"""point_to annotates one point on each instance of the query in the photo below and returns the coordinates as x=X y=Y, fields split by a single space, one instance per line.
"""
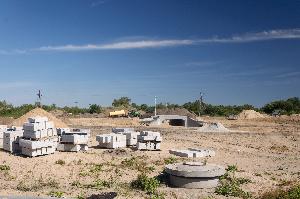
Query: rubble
x=213 y=127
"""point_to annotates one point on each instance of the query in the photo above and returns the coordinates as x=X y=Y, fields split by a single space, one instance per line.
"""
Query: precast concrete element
x=111 y=141
x=193 y=153
x=3 y=128
x=61 y=131
x=11 y=140
x=40 y=137
x=30 y=144
x=148 y=140
x=72 y=147
x=122 y=130
x=74 y=139
x=80 y=131
x=131 y=136
x=38 y=151
x=37 y=119
x=150 y=146
x=173 y=120
x=39 y=134
x=194 y=175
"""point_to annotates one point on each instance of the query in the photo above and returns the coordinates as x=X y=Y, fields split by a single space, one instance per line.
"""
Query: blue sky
x=92 y=51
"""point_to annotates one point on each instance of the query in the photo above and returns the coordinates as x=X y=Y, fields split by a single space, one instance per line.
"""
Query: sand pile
x=39 y=112
x=213 y=127
x=250 y=114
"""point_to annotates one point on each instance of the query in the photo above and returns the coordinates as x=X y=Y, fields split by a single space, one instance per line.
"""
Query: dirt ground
x=266 y=151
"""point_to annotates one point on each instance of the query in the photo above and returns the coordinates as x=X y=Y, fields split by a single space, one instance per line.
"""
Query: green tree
x=94 y=108
x=122 y=102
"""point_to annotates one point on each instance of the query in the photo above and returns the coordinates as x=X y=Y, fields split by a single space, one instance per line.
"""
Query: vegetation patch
x=230 y=185
x=291 y=193
x=57 y=194
x=4 y=167
x=60 y=162
x=170 y=160
x=145 y=183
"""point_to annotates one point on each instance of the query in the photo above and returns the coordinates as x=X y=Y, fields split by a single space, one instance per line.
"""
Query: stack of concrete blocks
x=73 y=141
x=40 y=137
x=149 y=140
x=3 y=128
x=111 y=141
x=11 y=139
x=131 y=135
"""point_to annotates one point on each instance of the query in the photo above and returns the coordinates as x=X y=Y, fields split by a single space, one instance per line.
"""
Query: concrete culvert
x=194 y=175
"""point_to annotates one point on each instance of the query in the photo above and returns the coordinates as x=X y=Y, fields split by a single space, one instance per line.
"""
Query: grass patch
x=57 y=194
x=96 y=168
x=136 y=163
x=230 y=185
x=170 y=160
x=60 y=162
x=145 y=183
x=291 y=193
x=4 y=167
x=37 y=185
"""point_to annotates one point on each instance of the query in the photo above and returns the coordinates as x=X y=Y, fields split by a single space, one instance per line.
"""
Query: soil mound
x=39 y=112
x=213 y=127
x=250 y=114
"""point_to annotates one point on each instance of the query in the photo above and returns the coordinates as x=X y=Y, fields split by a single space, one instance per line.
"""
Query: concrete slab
x=74 y=139
x=71 y=147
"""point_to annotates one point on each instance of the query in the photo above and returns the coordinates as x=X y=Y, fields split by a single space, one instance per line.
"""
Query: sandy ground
x=266 y=151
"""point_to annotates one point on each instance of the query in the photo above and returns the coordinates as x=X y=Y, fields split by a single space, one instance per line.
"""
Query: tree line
x=286 y=107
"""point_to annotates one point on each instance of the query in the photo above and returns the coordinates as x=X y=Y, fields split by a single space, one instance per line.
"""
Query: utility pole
x=39 y=101
x=200 y=102
x=155 y=98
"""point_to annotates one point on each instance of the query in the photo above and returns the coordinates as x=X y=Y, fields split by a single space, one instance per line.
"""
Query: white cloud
x=148 y=43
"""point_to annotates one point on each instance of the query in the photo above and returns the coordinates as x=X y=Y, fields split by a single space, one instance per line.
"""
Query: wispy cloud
x=97 y=3
x=15 y=84
x=289 y=74
x=148 y=43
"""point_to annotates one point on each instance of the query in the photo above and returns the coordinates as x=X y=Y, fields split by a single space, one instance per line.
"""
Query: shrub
x=4 y=167
x=60 y=162
x=145 y=183
x=170 y=160
x=230 y=185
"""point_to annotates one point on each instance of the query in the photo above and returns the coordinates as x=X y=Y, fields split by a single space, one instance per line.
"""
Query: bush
x=61 y=162
x=145 y=183
x=4 y=167
x=230 y=185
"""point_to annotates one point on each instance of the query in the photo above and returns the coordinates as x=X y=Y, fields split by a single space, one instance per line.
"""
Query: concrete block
x=111 y=140
x=74 y=139
x=150 y=133
x=12 y=147
x=37 y=119
x=61 y=131
x=3 y=127
x=10 y=136
x=148 y=146
x=33 y=126
x=38 y=152
x=72 y=147
x=122 y=130
x=30 y=144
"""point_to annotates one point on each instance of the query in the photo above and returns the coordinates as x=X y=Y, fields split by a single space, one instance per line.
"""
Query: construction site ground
x=265 y=150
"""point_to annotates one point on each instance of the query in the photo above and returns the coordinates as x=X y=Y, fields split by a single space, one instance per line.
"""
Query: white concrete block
x=72 y=147
x=61 y=131
x=3 y=127
x=33 y=126
x=111 y=140
x=148 y=146
x=37 y=119
x=75 y=139
x=36 y=144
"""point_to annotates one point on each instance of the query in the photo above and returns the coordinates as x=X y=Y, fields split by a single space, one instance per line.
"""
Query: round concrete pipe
x=193 y=183
x=194 y=175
